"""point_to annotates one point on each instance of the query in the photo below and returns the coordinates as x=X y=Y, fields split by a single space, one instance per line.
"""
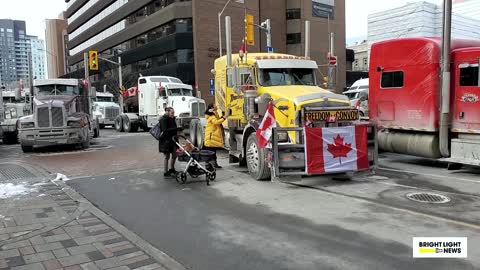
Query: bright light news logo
x=439 y=247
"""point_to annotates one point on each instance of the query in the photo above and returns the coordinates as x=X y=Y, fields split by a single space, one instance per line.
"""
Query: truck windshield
x=57 y=89
x=286 y=76
x=104 y=99
x=180 y=92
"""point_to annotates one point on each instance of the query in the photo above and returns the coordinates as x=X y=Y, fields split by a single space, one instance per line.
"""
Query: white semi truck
x=15 y=105
x=146 y=104
x=106 y=109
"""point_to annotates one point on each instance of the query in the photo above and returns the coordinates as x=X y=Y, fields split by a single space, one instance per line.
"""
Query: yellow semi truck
x=249 y=83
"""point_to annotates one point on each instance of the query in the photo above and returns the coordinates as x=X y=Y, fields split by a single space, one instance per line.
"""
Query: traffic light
x=93 y=60
x=249 y=30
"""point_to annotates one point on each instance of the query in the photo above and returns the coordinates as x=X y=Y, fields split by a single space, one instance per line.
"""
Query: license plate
x=343 y=115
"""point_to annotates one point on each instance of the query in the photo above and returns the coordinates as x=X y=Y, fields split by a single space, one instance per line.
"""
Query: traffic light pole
x=87 y=79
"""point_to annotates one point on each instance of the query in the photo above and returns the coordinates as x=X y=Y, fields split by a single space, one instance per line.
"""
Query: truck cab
x=358 y=95
x=15 y=105
x=105 y=109
x=61 y=115
x=247 y=87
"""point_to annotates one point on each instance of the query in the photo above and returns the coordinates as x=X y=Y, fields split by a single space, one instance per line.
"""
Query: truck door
x=467 y=96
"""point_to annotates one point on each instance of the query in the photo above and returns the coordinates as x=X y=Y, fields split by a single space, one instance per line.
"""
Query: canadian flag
x=341 y=149
x=264 y=131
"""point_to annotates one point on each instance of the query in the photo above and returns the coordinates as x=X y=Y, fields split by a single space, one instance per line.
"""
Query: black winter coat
x=169 y=127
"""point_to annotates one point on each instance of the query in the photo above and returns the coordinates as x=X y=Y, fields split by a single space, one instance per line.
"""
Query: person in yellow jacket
x=213 y=132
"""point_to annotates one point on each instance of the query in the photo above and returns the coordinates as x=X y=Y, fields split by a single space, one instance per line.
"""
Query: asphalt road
x=238 y=223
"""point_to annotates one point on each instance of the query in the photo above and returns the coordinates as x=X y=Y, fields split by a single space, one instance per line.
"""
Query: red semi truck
x=406 y=101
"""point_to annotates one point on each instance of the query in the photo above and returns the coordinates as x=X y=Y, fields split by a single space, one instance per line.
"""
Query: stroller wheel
x=183 y=177
x=212 y=176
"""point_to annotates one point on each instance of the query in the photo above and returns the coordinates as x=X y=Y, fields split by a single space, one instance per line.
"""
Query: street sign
x=270 y=49
x=332 y=60
x=212 y=87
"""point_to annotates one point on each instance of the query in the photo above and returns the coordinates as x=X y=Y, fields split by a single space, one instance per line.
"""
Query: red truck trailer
x=405 y=98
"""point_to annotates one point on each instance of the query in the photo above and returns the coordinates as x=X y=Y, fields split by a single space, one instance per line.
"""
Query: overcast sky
x=34 y=12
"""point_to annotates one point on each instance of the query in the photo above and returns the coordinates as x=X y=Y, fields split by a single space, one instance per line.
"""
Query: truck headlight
x=27 y=125
x=74 y=124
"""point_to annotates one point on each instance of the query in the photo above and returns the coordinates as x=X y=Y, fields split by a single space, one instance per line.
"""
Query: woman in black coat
x=166 y=144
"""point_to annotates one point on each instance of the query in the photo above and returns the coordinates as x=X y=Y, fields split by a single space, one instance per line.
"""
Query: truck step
x=466 y=151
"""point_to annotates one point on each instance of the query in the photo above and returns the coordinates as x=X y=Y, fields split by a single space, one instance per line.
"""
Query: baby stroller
x=194 y=157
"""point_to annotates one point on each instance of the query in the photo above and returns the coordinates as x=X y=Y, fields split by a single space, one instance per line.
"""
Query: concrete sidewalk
x=46 y=225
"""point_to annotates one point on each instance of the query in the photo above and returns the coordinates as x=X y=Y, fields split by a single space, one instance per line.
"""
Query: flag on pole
x=337 y=149
x=264 y=131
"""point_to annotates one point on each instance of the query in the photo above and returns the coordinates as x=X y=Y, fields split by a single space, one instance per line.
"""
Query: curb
x=162 y=258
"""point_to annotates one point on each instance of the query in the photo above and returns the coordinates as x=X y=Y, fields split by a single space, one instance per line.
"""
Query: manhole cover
x=12 y=171
x=426 y=197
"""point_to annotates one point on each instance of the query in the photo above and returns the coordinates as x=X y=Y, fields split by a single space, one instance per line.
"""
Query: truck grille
x=111 y=112
x=57 y=117
x=43 y=117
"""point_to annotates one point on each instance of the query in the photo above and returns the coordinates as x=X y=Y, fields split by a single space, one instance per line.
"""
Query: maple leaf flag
x=264 y=131
x=342 y=149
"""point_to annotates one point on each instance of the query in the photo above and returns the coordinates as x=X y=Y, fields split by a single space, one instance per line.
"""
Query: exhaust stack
x=228 y=37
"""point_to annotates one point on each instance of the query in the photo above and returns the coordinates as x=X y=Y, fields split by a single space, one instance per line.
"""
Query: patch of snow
x=40 y=184
x=61 y=177
x=10 y=190
x=111 y=179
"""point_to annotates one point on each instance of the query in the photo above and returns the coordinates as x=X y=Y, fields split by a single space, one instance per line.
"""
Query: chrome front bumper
x=48 y=136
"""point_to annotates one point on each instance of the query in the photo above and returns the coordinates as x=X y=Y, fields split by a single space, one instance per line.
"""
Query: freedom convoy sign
x=323 y=8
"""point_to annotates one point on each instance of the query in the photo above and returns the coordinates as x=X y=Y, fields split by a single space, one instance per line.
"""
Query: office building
x=419 y=19
x=13 y=53
x=37 y=47
x=180 y=38
x=360 y=62
x=467 y=8
x=56 y=50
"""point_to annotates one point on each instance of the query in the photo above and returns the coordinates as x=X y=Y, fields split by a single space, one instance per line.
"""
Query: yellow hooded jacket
x=214 y=131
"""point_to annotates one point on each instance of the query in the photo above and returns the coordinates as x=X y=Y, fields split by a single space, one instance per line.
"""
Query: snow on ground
x=10 y=190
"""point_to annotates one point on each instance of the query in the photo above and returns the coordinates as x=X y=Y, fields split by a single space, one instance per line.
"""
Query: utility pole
x=220 y=52
x=267 y=27
x=30 y=79
x=445 y=67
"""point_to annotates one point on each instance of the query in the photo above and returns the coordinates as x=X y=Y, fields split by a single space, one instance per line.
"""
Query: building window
x=295 y=38
x=365 y=61
x=356 y=62
x=293 y=14
x=392 y=79
x=469 y=76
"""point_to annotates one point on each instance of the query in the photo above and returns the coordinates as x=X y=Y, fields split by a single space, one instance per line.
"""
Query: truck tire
x=200 y=135
x=96 y=133
x=10 y=138
x=193 y=131
x=102 y=126
x=119 y=123
x=128 y=126
x=256 y=159
x=86 y=144
x=27 y=148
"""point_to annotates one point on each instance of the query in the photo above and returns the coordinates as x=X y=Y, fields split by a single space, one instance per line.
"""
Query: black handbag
x=156 y=132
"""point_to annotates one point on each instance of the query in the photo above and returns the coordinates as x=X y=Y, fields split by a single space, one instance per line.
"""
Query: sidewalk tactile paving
x=38 y=231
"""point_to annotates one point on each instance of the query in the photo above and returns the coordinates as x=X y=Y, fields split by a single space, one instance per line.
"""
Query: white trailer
x=155 y=94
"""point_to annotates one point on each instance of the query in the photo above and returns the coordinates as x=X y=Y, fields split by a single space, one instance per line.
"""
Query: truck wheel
x=256 y=159
x=96 y=133
x=86 y=144
x=10 y=138
x=102 y=126
x=200 y=137
x=127 y=125
x=119 y=123
x=27 y=148
x=193 y=131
